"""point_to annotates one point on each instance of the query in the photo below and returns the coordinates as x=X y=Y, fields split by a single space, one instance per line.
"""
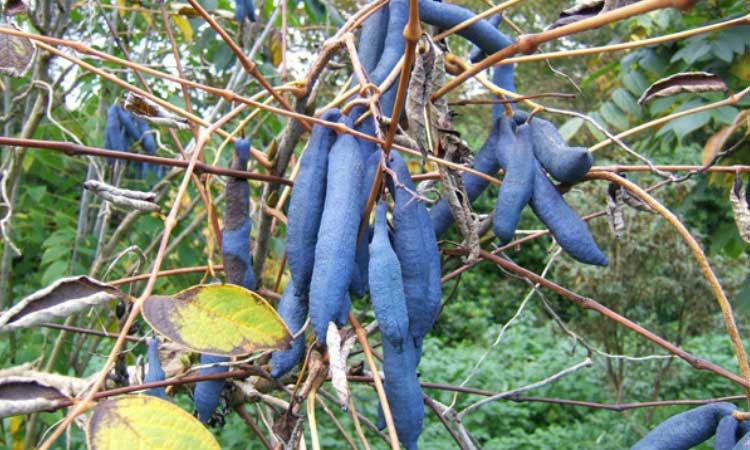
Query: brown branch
x=528 y=43
x=73 y=149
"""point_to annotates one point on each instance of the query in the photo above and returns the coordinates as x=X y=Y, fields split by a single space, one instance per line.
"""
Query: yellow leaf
x=276 y=55
x=147 y=17
x=218 y=319
x=15 y=424
x=144 y=421
x=184 y=26
x=741 y=68
x=122 y=5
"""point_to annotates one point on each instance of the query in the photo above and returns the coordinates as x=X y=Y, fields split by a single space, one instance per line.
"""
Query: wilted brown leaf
x=63 y=298
x=683 y=82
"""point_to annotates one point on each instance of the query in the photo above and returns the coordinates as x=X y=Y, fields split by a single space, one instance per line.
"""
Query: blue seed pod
x=485 y=161
x=372 y=39
x=685 y=430
x=239 y=11
x=358 y=286
x=207 y=393
x=306 y=203
x=570 y=231
x=416 y=247
x=337 y=237
x=238 y=268
x=567 y=164
x=250 y=10
x=744 y=443
x=483 y=33
x=476 y=53
x=518 y=183
x=342 y=315
x=115 y=137
x=129 y=124
x=386 y=286
x=293 y=310
x=726 y=433
x=393 y=50
x=154 y=371
x=403 y=391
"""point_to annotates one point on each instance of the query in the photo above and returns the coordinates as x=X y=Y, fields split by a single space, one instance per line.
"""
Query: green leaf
x=614 y=116
x=219 y=319
x=635 y=82
x=626 y=102
x=570 y=128
x=144 y=421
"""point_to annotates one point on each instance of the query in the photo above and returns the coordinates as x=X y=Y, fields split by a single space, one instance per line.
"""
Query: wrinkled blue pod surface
x=566 y=164
x=416 y=247
x=518 y=184
x=337 y=237
x=154 y=371
x=570 y=231
x=293 y=310
x=386 y=285
x=686 y=430
x=306 y=203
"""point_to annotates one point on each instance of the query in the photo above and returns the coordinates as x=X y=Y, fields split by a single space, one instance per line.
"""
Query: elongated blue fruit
x=154 y=371
x=238 y=269
x=482 y=33
x=250 y=10
x=293 y=310
x=403 y=391
x=686 y=430
x=567 y=164
x=306 y=203
x=129 y=124
x=416 y=248
x=342 y=315
x=518 y=183
x=115 y=137
x=337 y=237
x=207 y=393
x=476 y=53
x=386 y=285
x=236 y=234
x=726 y=433
x=485 y=161
x=570 y=231
x=359 y=287
x=393 y=50
x=239 y=11
x=744 y=443
x=372 y=39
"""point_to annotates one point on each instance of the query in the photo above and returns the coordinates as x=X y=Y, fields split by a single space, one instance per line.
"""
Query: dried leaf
x=683 y=82
x=15 y=7
x=22 y=395
x=337 y=364
x=16 y=54
x=63 y=298
x=581 y=10
x=715 y=143
x=741 y=212
x=154 y=113
x=125 y=198
x=615 y=203
x=425 y=117
x=184 y=9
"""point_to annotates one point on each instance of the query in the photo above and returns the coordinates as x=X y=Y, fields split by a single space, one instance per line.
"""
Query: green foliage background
x=652 y=279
